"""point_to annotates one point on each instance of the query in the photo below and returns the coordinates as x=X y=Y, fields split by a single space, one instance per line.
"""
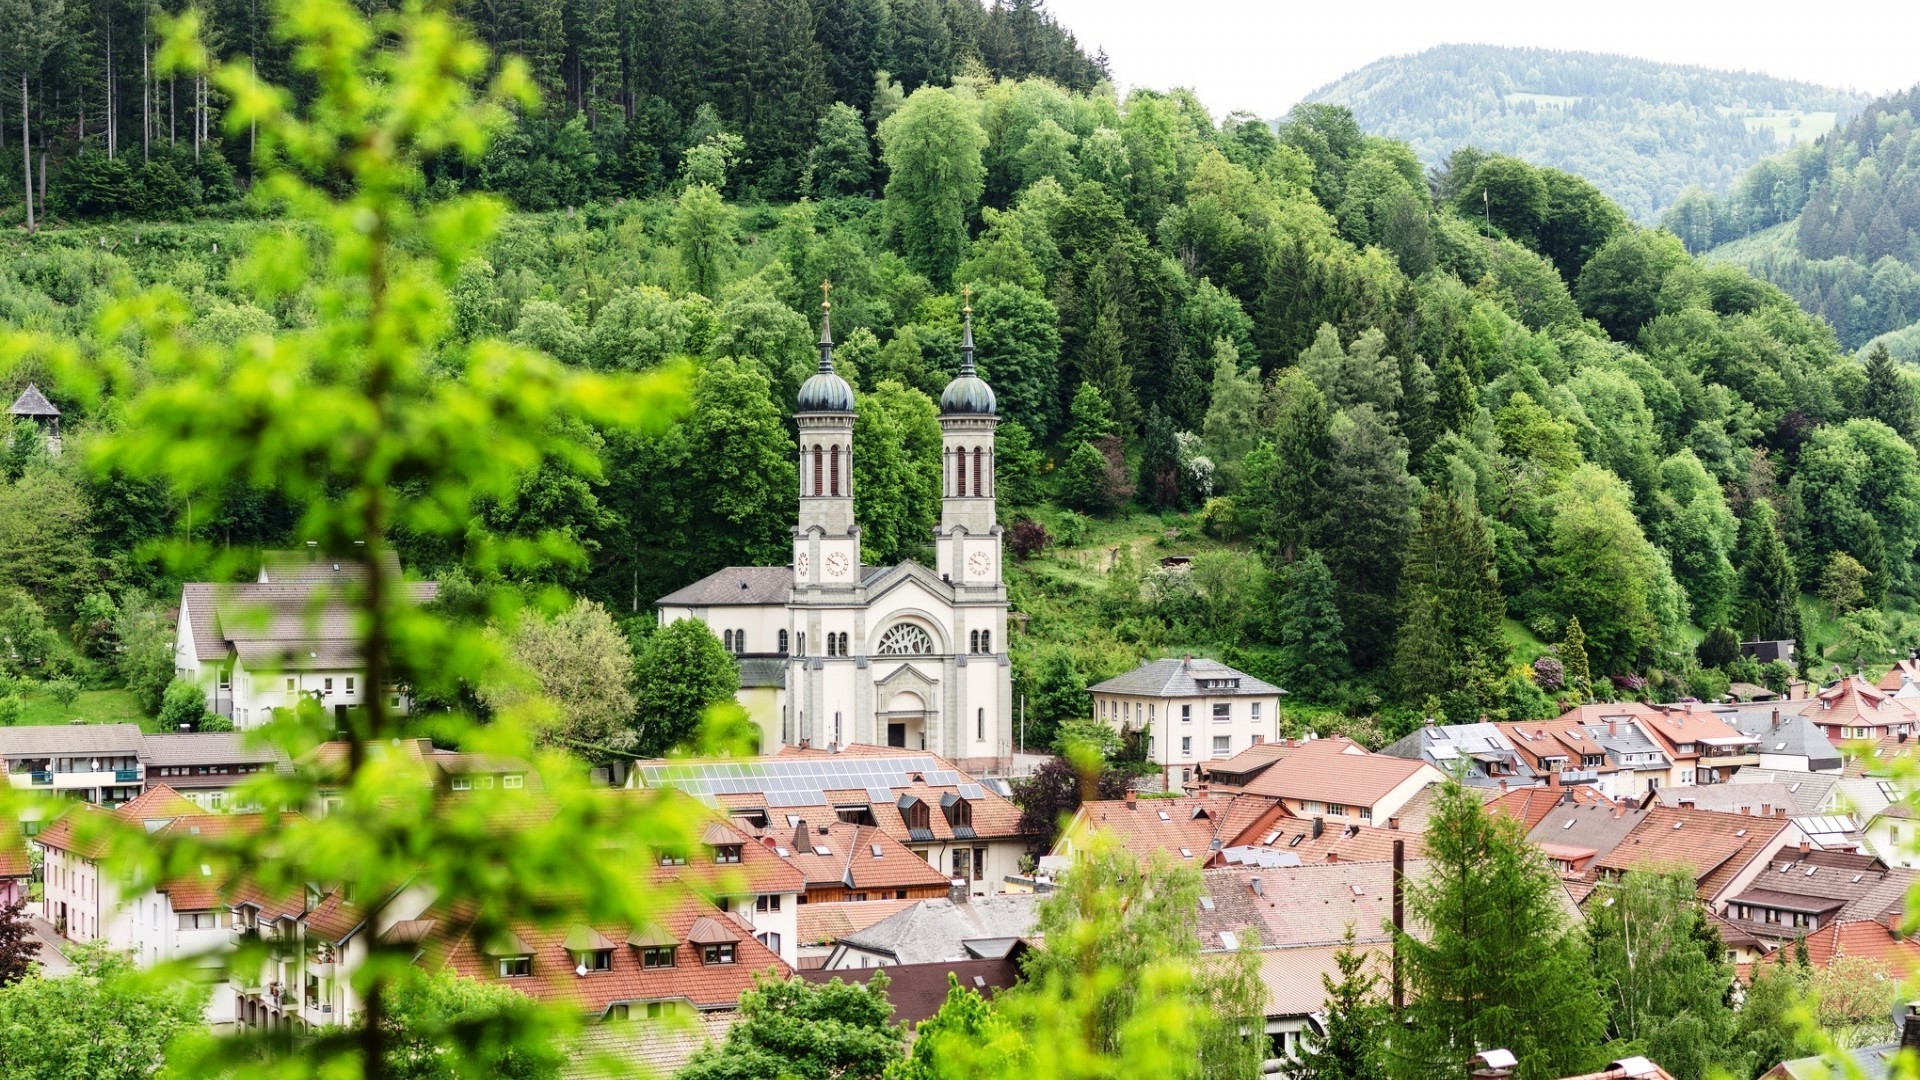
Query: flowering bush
x=1549 y=673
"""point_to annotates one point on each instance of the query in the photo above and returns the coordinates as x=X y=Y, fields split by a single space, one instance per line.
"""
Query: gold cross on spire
x=966 y=293
x=826 y=294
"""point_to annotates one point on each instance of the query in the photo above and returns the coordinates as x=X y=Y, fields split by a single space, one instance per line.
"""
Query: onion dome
x=968 y=394
x=825 y=391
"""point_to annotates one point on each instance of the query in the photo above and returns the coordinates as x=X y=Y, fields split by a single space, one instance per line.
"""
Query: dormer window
x=919 y=819
x=727 y=853
x=516 y=967
x=656 y=957
x=959 y=814
x=594 y=960
x=668 y=858
x=718 y=953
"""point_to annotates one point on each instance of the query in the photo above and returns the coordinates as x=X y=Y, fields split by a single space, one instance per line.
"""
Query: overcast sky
x=1264 y=55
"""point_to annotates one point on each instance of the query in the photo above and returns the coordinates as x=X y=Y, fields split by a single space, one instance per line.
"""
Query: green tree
x=1111 y=931
x=1769 y=588
x=1502 y=966
x=702 y=237
x=184 y=705
x=1231 y=425
x=576 y=667
x=1691 y=520
x=1090 y=417
x=102 y=1020
x=841 y=162
x=1093 y=479
x=1602 y=568
x=1511 y=194
x=808 y=1031
x=682 y=671
x=1620 y=286
x=1573 y=655
x=1451 y=644
x=1308 y=627
x=1363 y=524
x=1663 y=973
x=932 y=148
x=1843 y=584
x=1719 y=648
x=145 y=659
x=965 y=1019
x=896 y=474
x=1018 y=332
x=1889 y=395
x=44 y=522
x=1302 y=444
x=1355 y=1025
x=420 y=1005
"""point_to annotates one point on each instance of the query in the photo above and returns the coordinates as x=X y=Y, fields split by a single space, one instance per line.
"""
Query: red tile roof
x=1194 y=822
x=1531 y=805
x=1714 y=846
x=824 y=924
x=1865 y=939
x=836 y=854
x=1335 y=771
x=452 y=947
x=90 y=831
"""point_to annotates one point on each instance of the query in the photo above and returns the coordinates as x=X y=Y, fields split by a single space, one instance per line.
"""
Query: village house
x=1190 y=711
x=1852 y=710
x=1612 y=753
x=99 y=763
x=941 y=931
x=963 y=827
x=1724 y=853
x=288 y=636
x=1479 y=755
x=83 y=902
x=1338 y=780
x=1802 y=889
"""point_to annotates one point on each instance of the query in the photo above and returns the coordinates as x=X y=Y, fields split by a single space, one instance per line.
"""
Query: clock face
x=837 y=564
x=978 y=564
x=800 y=564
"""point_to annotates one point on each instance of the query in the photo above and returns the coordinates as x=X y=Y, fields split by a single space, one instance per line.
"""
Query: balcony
x=41 y=777
x=1579 y=776
x=126 y=776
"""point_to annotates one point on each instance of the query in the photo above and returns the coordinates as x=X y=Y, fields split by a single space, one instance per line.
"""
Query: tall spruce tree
x=1301 y=447
x=1355 y=1025
x=1769 y=588
x=855 y=38
x=1308 y=627
x=1889 y=397
x=1362 y=529
x=1451 y=645
x=1573 y=656
x=1504 y=966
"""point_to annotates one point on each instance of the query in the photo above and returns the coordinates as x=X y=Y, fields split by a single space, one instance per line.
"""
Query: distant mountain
x=1642 y=131
x=1836 y=224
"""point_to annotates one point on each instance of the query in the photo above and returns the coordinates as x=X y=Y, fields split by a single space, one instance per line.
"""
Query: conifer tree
x=1769 y=588
x=1355 y=1022
x=1573 y=654
x=855 y=38
x=1889 y=396
x=1301 y=447
x=1454 y=400
x=1451 y=645
x=1309 y=628
x=1160 y=461
x=1502 y=966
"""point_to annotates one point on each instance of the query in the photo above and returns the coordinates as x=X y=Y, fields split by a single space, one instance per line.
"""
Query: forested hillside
x=1642 y=131
x=1836 y=224
x=626 y=88
x=1414 y=443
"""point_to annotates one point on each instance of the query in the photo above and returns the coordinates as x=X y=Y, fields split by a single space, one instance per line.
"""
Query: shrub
x=64 y=691
x=1028 y=538
x=11 y=710
x=183 y=703
x=1549 y=674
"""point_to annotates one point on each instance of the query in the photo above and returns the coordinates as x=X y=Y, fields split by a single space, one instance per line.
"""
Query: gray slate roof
x=1793 y=734
x=1749 y=798
x=70 y=740
x=939 y=930
x=1444 y=746
x=763 y=671
x=1587 y=825
x=1180 y=678
x=1806 y=791
x=292 y=625
x=734 y=586
x=32 y=402
x=209 y=748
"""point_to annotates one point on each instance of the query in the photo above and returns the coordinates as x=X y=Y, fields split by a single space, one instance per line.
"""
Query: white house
x=1193 y=711
x=834 y=651
x=266 y=644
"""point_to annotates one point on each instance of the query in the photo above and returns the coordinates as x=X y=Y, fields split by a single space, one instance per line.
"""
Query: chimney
x=1619 y=811
x=1503 y=787
x=1805 y=847
x=1766 y=809
x=804 y=744
x=1613 y=727
x=1779 y=811
x=1133 y=800
x=801 y=842
x=1393 y=824
x=1319 y=826
x=957 y=891
x=1910 y=1027
x=1259 y=888
x=1200 y=790
x=1333 y=856
x=1493 y=1065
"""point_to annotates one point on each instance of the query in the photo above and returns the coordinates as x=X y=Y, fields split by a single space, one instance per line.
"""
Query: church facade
x=833 y=651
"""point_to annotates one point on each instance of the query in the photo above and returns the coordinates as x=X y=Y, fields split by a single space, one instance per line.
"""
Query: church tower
x=967 y=544
x=826 y=541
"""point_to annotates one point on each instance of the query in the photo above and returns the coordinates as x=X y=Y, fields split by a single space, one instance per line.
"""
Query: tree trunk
x=146 y=100
x=173 y=95
x=26 y=152
x=193 y=118
x=113 y=129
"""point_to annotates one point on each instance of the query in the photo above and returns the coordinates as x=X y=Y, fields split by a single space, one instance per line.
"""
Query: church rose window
x=906 y=639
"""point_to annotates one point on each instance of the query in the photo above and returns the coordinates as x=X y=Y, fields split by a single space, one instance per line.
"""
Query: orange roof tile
x=1714 y=846
x=553 y=978
x=1335 y=771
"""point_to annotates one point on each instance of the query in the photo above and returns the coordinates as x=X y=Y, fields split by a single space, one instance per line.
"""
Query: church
x=833 y=651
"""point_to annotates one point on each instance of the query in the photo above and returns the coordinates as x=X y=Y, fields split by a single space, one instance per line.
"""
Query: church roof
x=734 y=586
x=32 y=402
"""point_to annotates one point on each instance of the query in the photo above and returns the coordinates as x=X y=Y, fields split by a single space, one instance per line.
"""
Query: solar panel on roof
x=970 y=791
